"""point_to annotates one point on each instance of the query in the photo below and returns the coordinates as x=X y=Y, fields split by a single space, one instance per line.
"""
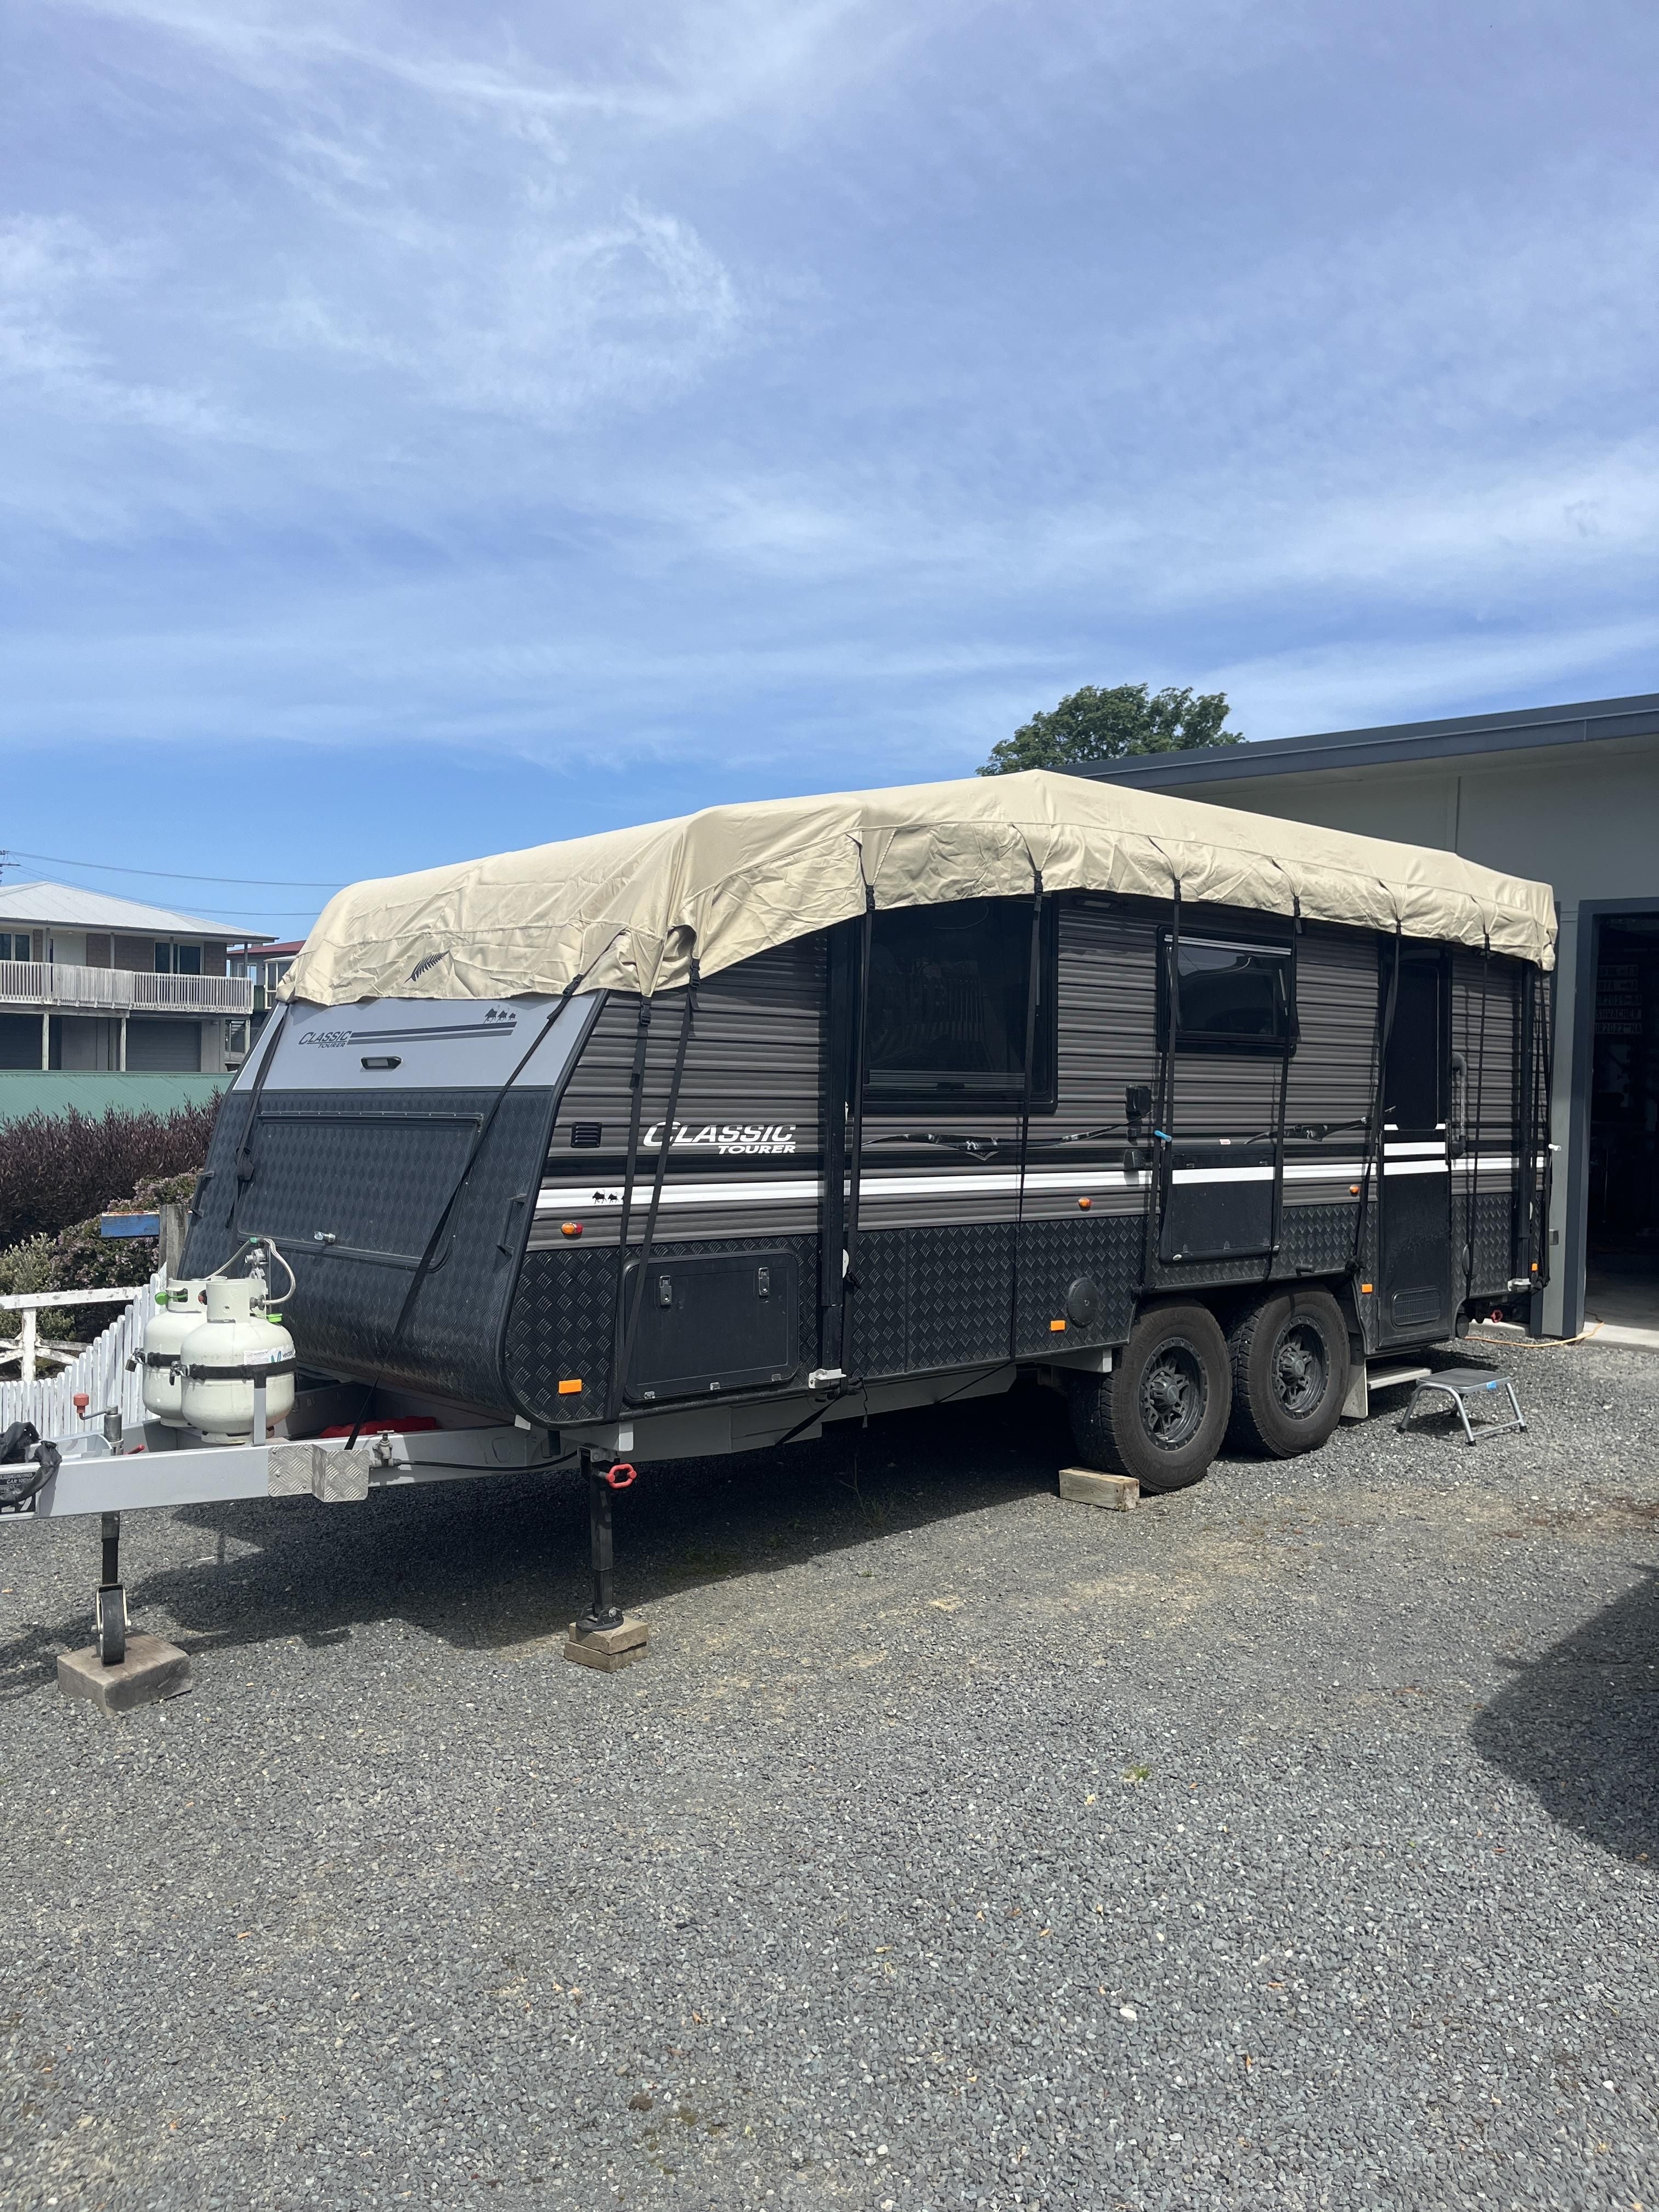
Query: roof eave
x=1399 y=745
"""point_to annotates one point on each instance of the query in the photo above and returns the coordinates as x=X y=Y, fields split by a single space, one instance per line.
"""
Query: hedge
x=56 y=1169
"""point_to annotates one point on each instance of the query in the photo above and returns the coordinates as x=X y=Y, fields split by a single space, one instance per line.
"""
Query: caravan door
x=1415 y=1304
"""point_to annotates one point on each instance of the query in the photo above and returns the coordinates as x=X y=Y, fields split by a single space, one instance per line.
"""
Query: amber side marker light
x=1368 y=1288
x=570 y=1229
x=570 y=1389
x=1056 y=1326
x=1085 y=1203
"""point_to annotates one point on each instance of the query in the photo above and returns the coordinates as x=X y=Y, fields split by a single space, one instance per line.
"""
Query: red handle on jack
x=622 y=1476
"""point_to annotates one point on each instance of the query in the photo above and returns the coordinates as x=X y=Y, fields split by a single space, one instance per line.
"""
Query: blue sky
x=432 y=430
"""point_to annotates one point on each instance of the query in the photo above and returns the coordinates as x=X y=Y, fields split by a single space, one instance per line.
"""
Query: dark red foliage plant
x=59 y=1168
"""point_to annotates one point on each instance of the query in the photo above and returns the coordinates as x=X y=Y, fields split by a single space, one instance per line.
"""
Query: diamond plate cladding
x=1316 y=1240
x=337 y=1159
x=1053 y=1255
x=937 y=1297
x=878 y=1312
x=1494 y=1223
x=961 y=1286
x=560 y=1329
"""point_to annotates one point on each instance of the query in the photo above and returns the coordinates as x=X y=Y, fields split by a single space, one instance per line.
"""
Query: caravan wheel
x=1161 y=1413
x=1290 y=1363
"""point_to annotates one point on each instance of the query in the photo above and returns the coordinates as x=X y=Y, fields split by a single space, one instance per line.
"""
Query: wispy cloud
x=744 y=383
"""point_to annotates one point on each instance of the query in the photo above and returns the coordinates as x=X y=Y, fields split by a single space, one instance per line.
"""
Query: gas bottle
x=222 y=1356
x=178 y=1313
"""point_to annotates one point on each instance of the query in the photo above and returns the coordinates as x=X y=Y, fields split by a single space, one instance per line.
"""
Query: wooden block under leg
x=608 y=1650
x=152 y=1670
x=1086 y=1485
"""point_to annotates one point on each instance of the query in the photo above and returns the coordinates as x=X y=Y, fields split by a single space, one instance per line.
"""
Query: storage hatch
x=712 y=1321
x=354 y=1183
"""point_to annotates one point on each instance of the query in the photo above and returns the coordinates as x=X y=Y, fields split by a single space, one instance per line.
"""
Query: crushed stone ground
x=1292 y=1842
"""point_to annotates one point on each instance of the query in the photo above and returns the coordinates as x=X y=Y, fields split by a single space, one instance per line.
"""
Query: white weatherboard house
x=93 y=983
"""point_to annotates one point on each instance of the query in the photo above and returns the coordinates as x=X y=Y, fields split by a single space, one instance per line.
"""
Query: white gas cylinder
x=222 y=1356
x=179 y=1312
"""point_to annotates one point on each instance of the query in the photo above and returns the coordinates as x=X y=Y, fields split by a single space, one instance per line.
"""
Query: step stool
x=1458 y=1383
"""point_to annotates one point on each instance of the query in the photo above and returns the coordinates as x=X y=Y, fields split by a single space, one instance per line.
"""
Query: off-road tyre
x=1289 y=1355
x=1161 y=1413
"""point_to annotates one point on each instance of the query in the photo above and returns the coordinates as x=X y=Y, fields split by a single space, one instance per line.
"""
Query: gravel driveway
x=1294 y=1842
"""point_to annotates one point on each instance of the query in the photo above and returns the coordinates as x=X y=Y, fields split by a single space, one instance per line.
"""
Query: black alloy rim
x=1301 y=1370
x=1174 y=1393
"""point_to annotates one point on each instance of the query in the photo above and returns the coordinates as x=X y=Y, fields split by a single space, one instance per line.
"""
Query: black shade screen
x=948 y=987
x=1234 y=998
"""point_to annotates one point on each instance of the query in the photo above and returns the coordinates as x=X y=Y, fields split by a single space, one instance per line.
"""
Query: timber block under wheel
x=151 y=1670
x=608 y=1650
x=1085 y=1486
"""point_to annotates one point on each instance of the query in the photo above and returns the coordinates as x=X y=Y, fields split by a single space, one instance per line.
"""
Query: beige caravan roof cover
x=626 y=909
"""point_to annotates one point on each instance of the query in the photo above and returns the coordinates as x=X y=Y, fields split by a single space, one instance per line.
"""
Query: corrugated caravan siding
x=1333 y=1068
x=1109 y=1028
x=1216 y=1094
x=753 y=1057
x=1493 y=1087
x=1108 y=997
x=750 y=1091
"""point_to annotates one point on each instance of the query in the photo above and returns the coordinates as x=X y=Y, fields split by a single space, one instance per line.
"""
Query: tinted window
x=947 y=1004
x=1233 y=997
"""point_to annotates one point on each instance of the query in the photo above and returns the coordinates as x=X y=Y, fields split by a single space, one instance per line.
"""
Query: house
x=1569 y=795
x=264 y=965
x=96 y=984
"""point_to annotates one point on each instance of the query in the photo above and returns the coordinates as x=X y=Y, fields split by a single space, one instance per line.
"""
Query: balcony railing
x=46 y=983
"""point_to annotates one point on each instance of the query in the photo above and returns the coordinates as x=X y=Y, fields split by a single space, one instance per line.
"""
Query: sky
x=426 y=431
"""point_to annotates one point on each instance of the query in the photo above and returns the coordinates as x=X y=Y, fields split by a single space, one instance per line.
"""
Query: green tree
x=1095 y=725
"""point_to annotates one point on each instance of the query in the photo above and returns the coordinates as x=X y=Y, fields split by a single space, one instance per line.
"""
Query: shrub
x=57 y=1169
x=28 y=1267
x=81 y=1258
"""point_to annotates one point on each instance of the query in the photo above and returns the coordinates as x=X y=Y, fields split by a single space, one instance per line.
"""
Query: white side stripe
x=785 y=1190
x=1223 y=1174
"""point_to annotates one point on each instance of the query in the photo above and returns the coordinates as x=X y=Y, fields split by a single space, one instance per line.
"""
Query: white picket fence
x=100 y=1370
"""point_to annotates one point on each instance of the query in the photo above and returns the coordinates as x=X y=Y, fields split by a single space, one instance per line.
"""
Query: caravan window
x=1232 y=998
x=947 y=1006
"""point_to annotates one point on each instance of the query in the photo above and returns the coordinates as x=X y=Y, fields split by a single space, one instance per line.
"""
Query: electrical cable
x=176 y=875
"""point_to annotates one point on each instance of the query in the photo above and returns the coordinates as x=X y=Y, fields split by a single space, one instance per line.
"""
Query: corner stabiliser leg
x=120 y=1669
x=604 y=1638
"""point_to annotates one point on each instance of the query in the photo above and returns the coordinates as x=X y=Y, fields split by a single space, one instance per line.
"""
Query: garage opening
x=1622 y=1275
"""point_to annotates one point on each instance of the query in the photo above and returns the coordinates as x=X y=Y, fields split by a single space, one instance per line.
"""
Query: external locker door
x=712 y=1321
x=1414 y=1284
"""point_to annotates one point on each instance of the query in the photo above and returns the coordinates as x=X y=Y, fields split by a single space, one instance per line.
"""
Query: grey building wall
x=1569 y=795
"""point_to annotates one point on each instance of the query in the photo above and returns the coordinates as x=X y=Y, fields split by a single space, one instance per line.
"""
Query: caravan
x=689 y=1139
x=700 y=1137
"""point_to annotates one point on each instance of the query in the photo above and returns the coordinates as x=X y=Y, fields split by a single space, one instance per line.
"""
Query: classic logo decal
x=500 y=1021
x=727 y=1136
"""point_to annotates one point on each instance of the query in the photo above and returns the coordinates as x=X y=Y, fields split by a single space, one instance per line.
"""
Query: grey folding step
x=1463 y=1384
